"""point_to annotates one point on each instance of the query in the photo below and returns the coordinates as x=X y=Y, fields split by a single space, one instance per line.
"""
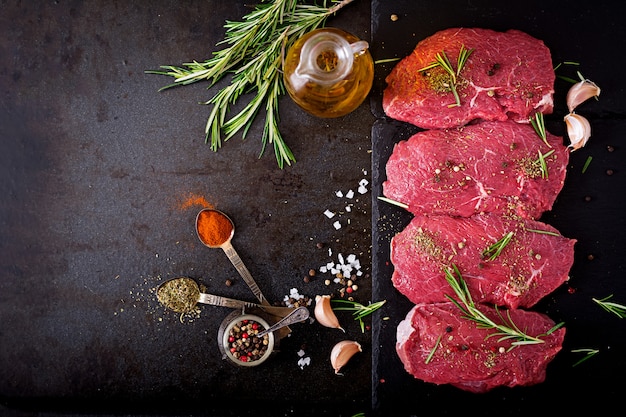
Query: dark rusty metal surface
x=590 y=209
x=96 y=165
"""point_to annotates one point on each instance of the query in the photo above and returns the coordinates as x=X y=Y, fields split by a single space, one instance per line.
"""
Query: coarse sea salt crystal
x=337 y=225
x=348 y=209
x=363 y=186
x=302 y=362
x=339 y=194
x=350 y=194
x=329 y=214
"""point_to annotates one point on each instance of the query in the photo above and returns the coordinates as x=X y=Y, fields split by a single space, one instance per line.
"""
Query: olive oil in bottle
x=328 y=72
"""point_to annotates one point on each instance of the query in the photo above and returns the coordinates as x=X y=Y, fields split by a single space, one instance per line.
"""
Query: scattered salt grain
x=348 y=209
x=292 y=297
x=337 y=225
x=339 y=193
x=363 y=186
x=303 y=361
x=329 y=214
x=350 y=194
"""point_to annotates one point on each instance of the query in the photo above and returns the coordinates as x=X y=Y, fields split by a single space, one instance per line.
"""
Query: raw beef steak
x=508 y=75
x=487 y=166
x=535 y=261
x=462 y=355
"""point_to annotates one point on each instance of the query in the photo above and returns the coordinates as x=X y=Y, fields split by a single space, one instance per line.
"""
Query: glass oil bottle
x=328 y=72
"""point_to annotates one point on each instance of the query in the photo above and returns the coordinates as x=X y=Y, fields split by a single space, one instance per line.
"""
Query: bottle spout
x=359 y=47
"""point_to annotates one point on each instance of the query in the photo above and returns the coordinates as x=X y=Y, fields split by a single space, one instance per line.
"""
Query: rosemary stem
x=339 y=6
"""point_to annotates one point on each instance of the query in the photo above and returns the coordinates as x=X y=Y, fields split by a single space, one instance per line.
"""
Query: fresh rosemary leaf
x=494 y=250
x=432 y=352
x=394 y=202
x=587 y=162
x=541 y=162
x=463 y=56
x=538 y=124
x=542 y=232
x=384 y=61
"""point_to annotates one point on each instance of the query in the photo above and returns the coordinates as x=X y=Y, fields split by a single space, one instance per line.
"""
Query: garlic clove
x=578 y=130
x=324 y=313
x=581 y=92
x=342 y=352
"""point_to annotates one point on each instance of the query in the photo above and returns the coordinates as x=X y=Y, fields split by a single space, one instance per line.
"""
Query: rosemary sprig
x=252 y=56
x=611 y=307
x=493 y=251
x=507 y=330
x=588 y=354
x=358 y=310
x=441 y=60
x=540 y=127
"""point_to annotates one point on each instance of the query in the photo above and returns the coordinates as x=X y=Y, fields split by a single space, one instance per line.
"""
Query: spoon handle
x=243 y=271
x=297 y=315
x=217 y=300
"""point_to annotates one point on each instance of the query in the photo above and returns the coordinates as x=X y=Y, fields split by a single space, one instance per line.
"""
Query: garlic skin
x=581 y=92
x=324 y=313
x=342 y=352
x=578 y=130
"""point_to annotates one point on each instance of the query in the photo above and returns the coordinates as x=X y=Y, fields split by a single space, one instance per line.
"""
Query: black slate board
x=590 y=207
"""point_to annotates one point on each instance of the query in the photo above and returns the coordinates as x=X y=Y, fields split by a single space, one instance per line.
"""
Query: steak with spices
x=484 y=167
x=508 y=75
x=512 y=263
x=437 y=345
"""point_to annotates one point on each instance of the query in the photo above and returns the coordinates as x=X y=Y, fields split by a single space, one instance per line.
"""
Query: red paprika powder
x=214 y=227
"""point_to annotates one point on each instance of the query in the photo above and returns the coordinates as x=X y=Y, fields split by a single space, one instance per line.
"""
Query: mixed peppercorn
x=243 y=342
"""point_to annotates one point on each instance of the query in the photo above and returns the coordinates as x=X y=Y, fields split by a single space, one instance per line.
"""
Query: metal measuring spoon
x=296 y=316
x=231 y=253
x=182 y=294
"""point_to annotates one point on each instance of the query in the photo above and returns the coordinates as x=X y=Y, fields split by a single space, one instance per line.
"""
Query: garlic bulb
x=581 y=92
x=324 y=313
x=342 y=352
x=578 y=130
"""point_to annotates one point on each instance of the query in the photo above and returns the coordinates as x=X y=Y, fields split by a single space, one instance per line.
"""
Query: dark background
x=96 y=163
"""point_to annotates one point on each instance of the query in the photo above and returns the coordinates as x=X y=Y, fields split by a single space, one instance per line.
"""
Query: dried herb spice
x=180 y=295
